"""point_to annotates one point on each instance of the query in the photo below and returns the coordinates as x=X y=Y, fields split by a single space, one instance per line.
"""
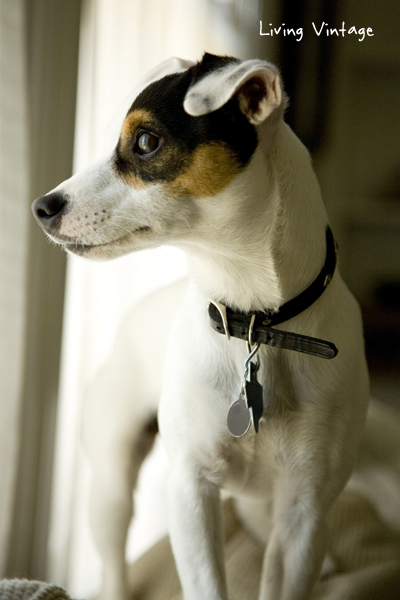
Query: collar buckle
x=222 y=311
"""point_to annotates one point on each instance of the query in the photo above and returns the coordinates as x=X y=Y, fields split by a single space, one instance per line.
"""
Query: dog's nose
x=49 y=209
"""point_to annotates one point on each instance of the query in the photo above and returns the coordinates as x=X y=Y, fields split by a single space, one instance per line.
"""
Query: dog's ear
x=171 y=65
x=256 y=84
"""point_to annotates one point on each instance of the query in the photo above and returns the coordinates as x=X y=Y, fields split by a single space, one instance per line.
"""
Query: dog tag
x=254 y=395
x=239 y=417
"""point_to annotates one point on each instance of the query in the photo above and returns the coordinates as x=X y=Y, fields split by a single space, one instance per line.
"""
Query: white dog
x=250 y=402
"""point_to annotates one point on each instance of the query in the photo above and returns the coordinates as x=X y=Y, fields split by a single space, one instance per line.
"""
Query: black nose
x=49 y=209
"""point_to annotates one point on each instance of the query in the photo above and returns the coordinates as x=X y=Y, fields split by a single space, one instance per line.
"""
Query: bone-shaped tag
x=254 y=394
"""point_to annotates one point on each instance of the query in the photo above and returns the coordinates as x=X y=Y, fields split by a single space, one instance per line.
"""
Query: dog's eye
x=147 y=143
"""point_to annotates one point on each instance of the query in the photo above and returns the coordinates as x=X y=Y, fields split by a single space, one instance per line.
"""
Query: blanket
x=23 y=589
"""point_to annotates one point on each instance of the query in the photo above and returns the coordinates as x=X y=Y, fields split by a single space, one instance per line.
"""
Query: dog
x=265 y=383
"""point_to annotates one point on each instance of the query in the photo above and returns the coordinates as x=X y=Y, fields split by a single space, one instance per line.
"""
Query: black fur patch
x=182 y=134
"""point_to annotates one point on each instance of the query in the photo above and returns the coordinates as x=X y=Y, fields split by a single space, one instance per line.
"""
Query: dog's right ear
x=256 y=83
x=169 y=66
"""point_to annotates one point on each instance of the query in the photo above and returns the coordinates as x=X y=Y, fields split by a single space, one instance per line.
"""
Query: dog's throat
x=257 y=328
x=233 y=323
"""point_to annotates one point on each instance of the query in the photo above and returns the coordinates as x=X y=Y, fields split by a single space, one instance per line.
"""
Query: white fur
x=256 y=244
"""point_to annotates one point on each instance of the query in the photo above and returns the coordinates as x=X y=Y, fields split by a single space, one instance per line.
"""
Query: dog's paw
x=328 y=567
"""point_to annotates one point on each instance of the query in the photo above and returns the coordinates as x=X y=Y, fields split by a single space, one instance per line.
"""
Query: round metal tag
x=239 y=418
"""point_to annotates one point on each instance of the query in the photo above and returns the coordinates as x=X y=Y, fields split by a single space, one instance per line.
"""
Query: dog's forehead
x=113 y=130
x=163 y=99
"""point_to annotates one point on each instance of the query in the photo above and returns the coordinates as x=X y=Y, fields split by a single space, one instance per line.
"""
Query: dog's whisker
x=187 y=223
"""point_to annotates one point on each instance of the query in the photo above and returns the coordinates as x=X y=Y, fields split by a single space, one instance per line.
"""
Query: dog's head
x=190 y=131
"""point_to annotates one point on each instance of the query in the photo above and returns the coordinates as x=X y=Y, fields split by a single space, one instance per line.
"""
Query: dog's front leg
x=292 y=563
x=296 y=548
x=196 y=533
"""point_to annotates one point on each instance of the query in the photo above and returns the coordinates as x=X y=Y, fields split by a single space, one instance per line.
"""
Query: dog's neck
x=267 y=242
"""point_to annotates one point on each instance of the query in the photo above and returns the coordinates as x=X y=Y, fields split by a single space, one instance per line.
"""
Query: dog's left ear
x=256 y=84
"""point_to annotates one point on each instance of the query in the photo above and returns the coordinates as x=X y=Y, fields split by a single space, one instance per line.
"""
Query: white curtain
x=14 y=216
x=120 y=41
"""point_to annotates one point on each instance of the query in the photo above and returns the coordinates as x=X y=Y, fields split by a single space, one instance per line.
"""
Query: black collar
x=237 y=324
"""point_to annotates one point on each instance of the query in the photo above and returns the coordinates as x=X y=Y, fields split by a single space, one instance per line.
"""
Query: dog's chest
x=247 y=465
x=204 y=387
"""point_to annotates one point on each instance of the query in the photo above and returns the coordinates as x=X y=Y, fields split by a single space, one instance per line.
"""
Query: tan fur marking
x=213 y=166
x=136 y=182
x=135 y=119
x=132 y=122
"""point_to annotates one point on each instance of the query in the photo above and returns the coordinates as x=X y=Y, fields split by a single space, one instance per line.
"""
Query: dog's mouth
x=82 y=249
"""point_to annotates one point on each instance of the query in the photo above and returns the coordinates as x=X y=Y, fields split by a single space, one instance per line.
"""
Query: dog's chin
x=112 y=249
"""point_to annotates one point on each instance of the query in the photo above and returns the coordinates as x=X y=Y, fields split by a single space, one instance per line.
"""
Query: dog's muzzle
x=48 y=210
